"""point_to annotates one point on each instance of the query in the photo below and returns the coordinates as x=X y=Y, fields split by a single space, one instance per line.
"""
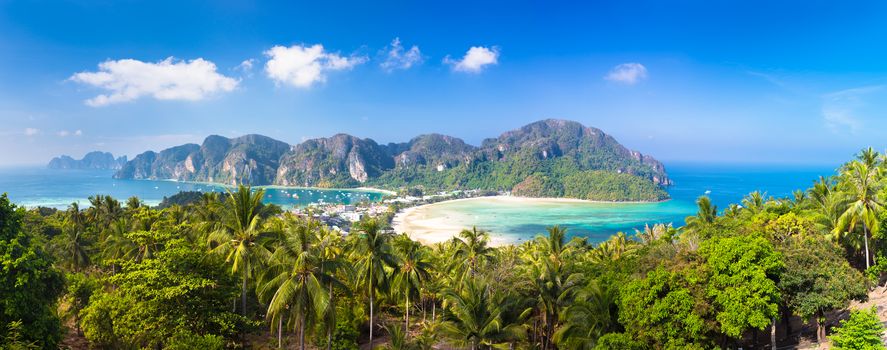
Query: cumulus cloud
x=31 y=131
x=246 y=67
x=475 y=60
x=627 y=73
x=397 y=58
x=170 y=79
x=303 y=66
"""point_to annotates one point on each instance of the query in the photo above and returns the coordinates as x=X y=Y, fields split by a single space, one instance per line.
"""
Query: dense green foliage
x=29 y=285
x=181 y=199
x=863 y=331
x=531 y=177
x=178 y=293
x=229 y=271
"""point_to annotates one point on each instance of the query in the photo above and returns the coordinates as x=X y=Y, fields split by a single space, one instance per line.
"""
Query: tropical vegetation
x=229 y=272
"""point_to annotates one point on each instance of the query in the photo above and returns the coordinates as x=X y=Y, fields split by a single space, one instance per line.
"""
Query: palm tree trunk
x=329 y=328
x=280 y=332
x=406 y=324
x=243 y=294
x=371 y=316
x=865 y=235
x=302 y=332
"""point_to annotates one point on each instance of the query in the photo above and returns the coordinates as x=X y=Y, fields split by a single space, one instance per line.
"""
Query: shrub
x=861 y=332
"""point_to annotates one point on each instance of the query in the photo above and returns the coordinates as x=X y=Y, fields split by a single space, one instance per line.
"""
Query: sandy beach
x=428 y=224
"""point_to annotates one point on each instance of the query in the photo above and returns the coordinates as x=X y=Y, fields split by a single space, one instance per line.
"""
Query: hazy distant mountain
x=92 y=160
x=554 y=158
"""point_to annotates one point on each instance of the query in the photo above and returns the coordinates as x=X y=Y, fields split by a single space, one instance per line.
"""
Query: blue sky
x=712 y=81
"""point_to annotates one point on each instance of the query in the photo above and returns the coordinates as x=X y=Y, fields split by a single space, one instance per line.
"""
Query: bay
x=508 y=221
x=514 y=220
x=58 y=188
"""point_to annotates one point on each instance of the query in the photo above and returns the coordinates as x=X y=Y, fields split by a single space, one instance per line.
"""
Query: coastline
x=421 y=226
x=224 y=185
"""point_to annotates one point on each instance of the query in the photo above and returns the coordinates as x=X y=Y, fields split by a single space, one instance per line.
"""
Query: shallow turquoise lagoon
x=515 y=222
x=34 y=186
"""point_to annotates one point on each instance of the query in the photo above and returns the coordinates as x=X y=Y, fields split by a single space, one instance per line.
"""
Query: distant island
x=92 y=160
x=548 y=158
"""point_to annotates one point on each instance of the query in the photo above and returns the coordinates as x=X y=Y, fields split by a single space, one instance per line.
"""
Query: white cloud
x=303 y=66
x=475 y=60
x=627 y=73
x=170 y=79
x=246 y=64
x=246 y=67
x=397 y=58
x=64 y=133
x=31 y=131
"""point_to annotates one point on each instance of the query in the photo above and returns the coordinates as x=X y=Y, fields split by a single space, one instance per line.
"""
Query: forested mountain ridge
x=92 y=160
x=548 y=158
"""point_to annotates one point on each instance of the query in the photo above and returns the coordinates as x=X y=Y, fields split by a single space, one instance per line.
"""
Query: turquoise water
x=726 y=184
x=513 y=221
x=33 y=186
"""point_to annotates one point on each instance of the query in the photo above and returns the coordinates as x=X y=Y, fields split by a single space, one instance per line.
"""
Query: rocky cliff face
x=549 y=149
x=433 y=150
x=333 y=161
x=250 y=159
x=92 y=160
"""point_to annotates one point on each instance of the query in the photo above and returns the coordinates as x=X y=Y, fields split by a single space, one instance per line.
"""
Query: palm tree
x=296 y=275
x=591 y=314
x=75 y=243
x=828 y=204
x=116 y=244
x=869 y=157
x=555 y=244
x=705 y=215
x=860 y=181
x=475 y=316
x=398 y=339
x=240 y=236
x=133 y=203
x=104 y=210
x=754 y=202
x=373 y=255
x=472 y=250
x=329 y=246
x=553 y=285
x=656 y=232
x=412 y=272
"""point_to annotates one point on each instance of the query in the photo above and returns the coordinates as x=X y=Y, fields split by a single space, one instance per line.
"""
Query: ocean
x=725 y=184
x=38 y=186
x=516 y=221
